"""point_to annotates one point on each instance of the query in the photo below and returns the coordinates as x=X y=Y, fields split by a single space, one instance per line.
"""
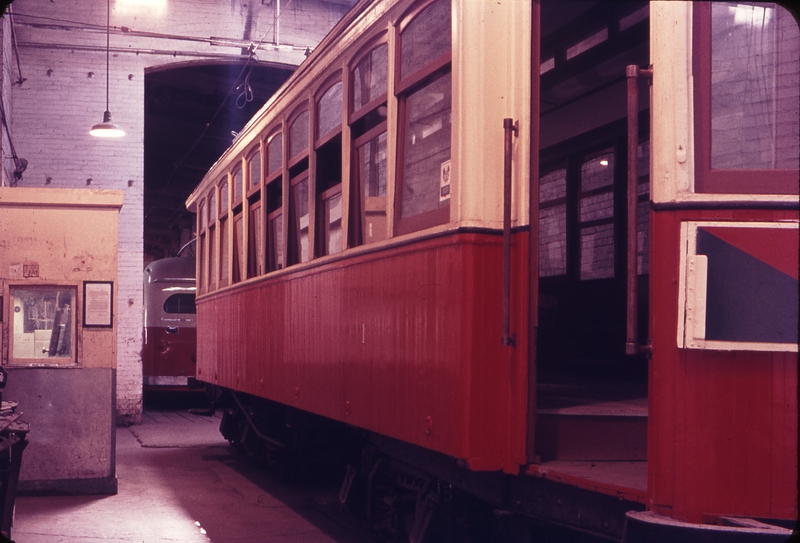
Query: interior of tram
x=591 y=396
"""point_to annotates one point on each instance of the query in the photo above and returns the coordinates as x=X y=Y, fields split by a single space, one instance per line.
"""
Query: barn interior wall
x=62 y=54
x=7 y=169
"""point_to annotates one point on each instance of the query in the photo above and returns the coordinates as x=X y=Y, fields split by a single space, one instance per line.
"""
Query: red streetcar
x=541 y=256
x=169 y=356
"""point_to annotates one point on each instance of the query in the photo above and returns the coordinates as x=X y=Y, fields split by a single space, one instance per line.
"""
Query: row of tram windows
x=282 y=202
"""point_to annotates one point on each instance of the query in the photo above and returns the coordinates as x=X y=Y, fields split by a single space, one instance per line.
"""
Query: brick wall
x=63 y=62
x=6 y=172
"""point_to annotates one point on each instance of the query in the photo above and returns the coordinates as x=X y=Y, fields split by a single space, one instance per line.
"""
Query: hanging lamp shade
x=106 y=129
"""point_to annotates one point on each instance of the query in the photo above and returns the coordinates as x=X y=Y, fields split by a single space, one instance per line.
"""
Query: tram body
x=425 y=235
x=170 y=330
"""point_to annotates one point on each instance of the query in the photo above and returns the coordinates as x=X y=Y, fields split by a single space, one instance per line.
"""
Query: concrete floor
x=179 y=481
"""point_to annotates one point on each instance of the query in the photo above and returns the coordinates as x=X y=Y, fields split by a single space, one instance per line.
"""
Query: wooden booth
x=58 y=275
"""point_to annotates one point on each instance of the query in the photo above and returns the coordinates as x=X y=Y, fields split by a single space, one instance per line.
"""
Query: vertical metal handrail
x=633 y=74
x=510 y=129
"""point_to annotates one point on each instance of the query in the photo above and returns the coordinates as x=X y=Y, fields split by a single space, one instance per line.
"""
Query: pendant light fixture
x=107 y=129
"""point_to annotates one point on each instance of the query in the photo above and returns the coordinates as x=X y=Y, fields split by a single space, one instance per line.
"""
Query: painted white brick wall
x=64 y=94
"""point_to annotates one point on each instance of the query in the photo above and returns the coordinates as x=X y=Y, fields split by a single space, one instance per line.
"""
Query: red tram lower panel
x=168 y=355
x=722 y=437
x=405 y=342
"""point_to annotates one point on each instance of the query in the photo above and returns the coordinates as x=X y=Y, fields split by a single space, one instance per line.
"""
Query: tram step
x=601 y=431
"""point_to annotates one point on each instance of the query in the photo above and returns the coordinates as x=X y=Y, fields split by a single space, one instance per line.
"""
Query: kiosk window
x=43 y=325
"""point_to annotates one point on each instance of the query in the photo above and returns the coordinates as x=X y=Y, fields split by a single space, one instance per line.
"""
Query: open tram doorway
x=591 y=398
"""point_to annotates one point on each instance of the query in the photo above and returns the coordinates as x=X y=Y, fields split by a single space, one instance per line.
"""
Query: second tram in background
x=539 y=258
x=169 y=356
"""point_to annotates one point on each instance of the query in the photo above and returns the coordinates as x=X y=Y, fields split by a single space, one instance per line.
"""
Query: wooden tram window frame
x=238 y=251
x=292 y=255
x=322 y=238
x=236 y=200
x=238 y=247
x=255 y=250
x=295 y=159
x=202 y=251
x=213 y=244
x=358 y=204
x=224 y=276
x=356 y=114
x=708 y=180
x=317 y=199
x=444 y=60
x=224 y=186
x=257 y=149
x=403 y=87
x=272 y=263
x=322 y=139
x=213 y=258
x=275 y=176
x=269 y=173
x=356 y=217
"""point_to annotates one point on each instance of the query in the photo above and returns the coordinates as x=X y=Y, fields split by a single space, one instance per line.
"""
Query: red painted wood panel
x=404 y=342
x=722 y=435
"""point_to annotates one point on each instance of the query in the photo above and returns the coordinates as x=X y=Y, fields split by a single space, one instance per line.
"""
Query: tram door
x=581 y=360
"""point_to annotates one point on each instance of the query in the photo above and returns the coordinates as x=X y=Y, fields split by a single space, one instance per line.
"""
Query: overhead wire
x=236 y=85
x=15 y=46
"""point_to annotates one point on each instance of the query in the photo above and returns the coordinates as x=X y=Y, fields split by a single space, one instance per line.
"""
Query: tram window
x=212 y=207
x=237 y=186
x=371 y=182
x=298 y=220
x=329 y=111
x=298 y=135
x=329 y=171
x=424 y=87
x=238 y=247
x=553 y=223
x=275 y=260
x=43 y=325
x=223 y=199
x=751 y=48
x=202 y=276
x=201 y=248
x=255 y=237
x=180 y=303
x=426 y=149
x=425 y=39
x=212 y=258
x=329 y=189
x=596 y=216
x=254 y=168
x=275 y=154
x=370 y=77
x=224 y=257
x=331 y=205
x=368 y=222
x=747 y=61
